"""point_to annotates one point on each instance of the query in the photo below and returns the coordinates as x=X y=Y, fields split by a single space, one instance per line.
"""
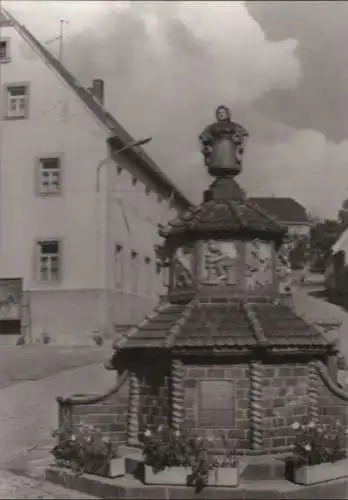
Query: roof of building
x=4 y=21
x=284 y=209
x=143 y=160
x=237 y=325
x=233 y=216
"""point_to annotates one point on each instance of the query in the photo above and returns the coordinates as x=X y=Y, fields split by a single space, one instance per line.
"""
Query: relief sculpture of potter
x=219 y=262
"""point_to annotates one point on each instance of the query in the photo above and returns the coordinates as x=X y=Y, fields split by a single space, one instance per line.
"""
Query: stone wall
x=285 y=400
x=210 y=423
x=154 y=404
x=109 y=414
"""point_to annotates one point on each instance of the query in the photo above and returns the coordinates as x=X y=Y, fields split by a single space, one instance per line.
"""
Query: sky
x=279 y=66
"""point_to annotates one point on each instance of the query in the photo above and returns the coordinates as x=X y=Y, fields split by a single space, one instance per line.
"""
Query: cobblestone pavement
x=13 y=486
x=317 y=309
x=28 y=411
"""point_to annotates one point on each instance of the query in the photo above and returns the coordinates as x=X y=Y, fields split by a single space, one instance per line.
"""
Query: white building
x=81 y=244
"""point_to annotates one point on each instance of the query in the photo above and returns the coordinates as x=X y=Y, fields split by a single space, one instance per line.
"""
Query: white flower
x=177 y=433
x=311 y=425
x=106 y=439
x=147 y=433
x=308 y=447
x=89 y=439
x=295 y=426
x=72 y=437
x=160 y=428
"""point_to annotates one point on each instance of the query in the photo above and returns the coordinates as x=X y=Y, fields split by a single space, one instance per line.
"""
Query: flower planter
x=312 y=474
x=115 y=468
x=224 y=476
x=175 y=476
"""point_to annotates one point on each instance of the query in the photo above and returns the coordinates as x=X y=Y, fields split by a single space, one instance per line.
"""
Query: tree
x=323 y=235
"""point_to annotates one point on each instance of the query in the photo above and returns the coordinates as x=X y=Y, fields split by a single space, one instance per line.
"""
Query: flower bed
x=180 y=458
x=87 y=450
x=320 y=453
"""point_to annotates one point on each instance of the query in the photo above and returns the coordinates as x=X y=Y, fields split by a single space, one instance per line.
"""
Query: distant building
x=336 y=268
x=77 y=247
x=343 y=213
x=288 y=211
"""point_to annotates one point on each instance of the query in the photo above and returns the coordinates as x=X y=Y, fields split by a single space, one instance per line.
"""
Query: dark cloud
x=320 y=101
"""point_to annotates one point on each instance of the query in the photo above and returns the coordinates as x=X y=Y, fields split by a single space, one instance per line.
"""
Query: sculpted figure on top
x=223 y=145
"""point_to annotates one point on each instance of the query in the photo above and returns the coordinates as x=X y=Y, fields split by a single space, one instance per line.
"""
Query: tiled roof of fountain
x=234 y=216
x=231 y=325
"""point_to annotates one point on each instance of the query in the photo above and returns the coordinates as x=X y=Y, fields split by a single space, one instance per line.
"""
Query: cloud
x=305 y=166
x=167 y=65
x=320 y=101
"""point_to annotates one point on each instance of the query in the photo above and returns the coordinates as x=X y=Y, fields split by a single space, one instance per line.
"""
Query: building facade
x=78 y=217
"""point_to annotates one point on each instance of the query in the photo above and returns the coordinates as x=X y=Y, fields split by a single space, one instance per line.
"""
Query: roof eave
x=100 y=113
x=140 y=158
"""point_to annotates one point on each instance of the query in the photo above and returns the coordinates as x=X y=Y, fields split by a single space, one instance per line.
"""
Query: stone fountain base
x=252 y=483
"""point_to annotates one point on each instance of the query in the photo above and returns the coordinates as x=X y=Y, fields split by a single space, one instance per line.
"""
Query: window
x=49 y=261
x=50 y=176
x=216 y=403
x=4 y=51
x=134 y=271
x=17 y=101
x=119 y=267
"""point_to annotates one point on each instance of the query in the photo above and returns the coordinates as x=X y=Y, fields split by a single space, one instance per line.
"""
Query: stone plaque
x=216 y=403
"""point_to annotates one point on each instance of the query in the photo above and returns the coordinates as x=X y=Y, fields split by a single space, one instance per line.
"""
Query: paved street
x=13 y=486
x=21 y=363
x=28 y=410
x=315 y=309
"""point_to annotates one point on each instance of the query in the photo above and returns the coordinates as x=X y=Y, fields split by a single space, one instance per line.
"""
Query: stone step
x=129 y=487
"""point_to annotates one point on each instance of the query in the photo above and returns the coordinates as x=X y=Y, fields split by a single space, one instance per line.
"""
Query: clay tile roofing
x=284 y=209
x=224 y=215
x=283 y=327
x=230 y=325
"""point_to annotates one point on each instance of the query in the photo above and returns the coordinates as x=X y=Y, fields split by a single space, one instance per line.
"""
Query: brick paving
x=15 y=486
